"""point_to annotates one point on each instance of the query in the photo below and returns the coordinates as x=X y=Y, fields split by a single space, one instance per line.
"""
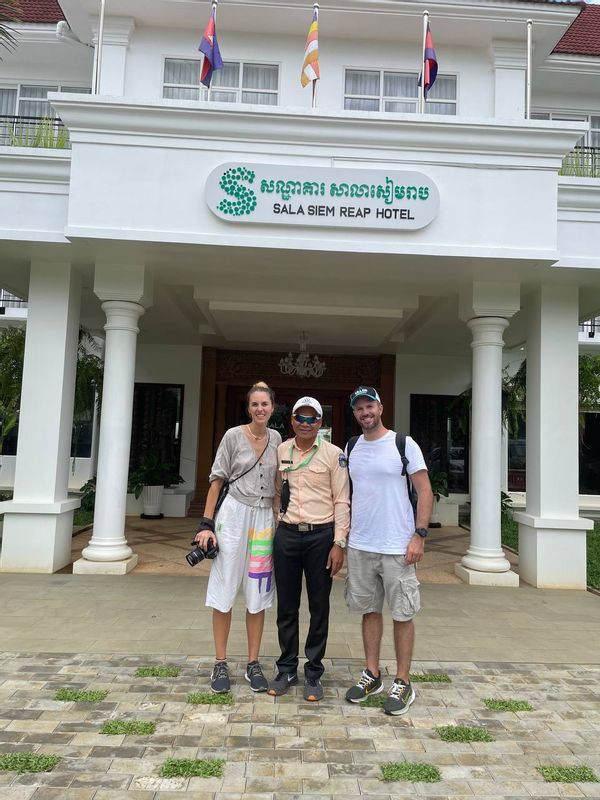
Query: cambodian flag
x=430 y=64
x=209 y=47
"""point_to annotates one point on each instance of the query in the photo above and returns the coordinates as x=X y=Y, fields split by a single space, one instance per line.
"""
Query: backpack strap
x=349 y=447
x=412 y=494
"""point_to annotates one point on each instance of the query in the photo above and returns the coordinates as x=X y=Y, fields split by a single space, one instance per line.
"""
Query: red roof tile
x=583 y=36
x=39 y=11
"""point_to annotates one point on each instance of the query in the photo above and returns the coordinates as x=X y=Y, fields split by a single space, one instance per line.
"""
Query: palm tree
x=8 y=13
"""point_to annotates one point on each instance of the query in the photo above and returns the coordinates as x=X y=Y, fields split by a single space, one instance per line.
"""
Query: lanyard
x=306 y=461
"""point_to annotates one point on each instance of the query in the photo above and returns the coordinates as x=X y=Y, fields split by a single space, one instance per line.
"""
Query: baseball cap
x=310 y=402
x=364 y=391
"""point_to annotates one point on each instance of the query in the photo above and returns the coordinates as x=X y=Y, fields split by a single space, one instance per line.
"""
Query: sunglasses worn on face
x=307 y=420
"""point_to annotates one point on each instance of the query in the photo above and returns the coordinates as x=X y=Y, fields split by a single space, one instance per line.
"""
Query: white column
x=108 y=544
x=484 y=561
x=38 y=522
x=509 y=61
x=552 y=537
x=117 y=36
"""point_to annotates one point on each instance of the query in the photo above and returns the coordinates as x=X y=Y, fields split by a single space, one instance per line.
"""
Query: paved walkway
x=86 y=632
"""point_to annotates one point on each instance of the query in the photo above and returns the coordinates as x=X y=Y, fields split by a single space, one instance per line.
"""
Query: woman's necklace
x=254 y=436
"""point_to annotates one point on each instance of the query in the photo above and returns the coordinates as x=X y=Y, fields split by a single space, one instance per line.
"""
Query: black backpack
x=401 y=445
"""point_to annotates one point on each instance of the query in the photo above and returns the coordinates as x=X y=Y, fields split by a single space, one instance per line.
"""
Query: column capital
x=487 y=331
x=122 y=315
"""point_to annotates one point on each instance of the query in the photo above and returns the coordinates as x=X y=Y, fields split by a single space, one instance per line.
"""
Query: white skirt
x=245 y=538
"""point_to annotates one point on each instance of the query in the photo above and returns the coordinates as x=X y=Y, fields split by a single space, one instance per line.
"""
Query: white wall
x=183 y=365
x=149 y=47
x=417 y=374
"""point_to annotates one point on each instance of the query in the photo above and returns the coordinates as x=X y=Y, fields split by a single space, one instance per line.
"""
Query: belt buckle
x=303 y=527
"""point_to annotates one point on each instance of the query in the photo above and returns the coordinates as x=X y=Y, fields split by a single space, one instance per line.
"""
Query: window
x=236 y=82
x=590 y=139
x=380 y=90
x=32 y=100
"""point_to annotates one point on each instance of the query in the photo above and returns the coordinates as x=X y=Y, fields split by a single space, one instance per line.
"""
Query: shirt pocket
x=318 y=475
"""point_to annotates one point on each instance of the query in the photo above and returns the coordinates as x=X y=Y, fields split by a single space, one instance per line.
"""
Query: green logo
x=245 y=199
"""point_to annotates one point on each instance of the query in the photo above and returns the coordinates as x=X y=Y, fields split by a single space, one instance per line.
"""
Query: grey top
x=235 y=455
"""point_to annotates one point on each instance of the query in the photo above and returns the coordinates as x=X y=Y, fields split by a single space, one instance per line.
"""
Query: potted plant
x=149 y=480
x=439 y=487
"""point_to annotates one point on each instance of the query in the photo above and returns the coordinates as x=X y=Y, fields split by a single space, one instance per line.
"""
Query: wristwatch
x=422 y=532
x=340 y=543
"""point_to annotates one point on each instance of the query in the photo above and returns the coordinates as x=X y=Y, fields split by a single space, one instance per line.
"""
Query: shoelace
x=255 y=670
x=220 y=670
x=365 y=680
x=397 y=689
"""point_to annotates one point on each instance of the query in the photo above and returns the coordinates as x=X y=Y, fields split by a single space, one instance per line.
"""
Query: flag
x=430 y=64
x=209 y=47
x=310 y=68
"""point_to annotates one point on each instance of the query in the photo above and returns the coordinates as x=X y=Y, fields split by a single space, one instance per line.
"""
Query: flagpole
x=422 y=86
x=314 y=83
x=99 y=46
x=529 y=61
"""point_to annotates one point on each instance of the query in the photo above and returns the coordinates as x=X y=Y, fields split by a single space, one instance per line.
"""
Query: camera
x=198 y=554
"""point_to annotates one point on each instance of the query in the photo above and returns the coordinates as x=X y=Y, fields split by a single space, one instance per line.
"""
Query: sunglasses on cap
x=306 y=420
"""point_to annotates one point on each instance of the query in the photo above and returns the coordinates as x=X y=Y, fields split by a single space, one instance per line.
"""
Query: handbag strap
x=256 y=462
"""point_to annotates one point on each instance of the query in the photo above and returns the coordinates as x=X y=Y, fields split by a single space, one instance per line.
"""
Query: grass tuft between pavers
x=192 y=768
x=210 y=699
x=27 y=762
x=568 y=774
x=494 y=704
x=157 y=672
x=463 y=733
x=116 y=727
x=429 y=677
x=374 y=701
x=81 y=695
x=407 y=771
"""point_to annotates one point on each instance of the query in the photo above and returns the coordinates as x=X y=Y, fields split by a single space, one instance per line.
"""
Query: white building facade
x=205 y=233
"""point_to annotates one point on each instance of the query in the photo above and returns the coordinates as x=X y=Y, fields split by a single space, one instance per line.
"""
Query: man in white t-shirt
x=384 y=545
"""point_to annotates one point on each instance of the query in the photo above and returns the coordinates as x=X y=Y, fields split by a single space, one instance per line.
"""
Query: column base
x=84 y=567
x=37 y=537
x=475 y=578
x=552 y=552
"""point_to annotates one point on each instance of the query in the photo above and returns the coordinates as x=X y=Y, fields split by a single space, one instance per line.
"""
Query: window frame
x=57 y=87
x=205 y=95
x=382 y=99
x=568 y=115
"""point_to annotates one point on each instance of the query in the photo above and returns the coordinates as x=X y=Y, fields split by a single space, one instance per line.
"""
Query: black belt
x=305 y=527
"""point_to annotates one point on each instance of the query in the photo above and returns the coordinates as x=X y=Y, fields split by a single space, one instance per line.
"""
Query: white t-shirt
x=382 y=516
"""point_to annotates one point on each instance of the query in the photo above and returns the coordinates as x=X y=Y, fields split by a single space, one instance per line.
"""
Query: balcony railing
x=591 y=327
x=582 y=162
x=33 y=132
x=8 y=300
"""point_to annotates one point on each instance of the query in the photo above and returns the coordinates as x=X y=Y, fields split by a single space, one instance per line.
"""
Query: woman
x=243 y=530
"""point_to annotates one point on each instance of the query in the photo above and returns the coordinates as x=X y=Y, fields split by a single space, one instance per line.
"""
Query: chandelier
x=303 y=365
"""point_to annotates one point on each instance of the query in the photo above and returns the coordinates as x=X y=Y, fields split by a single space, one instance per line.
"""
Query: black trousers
x=296 y=554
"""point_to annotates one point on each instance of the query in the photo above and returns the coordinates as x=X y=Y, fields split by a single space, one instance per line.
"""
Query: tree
x=88 y=381
x=8 y=13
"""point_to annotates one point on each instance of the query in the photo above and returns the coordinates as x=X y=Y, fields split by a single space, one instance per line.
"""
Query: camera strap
x=224 y=491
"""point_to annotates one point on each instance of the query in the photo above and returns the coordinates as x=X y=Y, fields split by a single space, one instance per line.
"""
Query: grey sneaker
x=219 y=680
x=256 y=679
x=313 y=690
x=400 y=696
x=282 y=683
x=367 y=685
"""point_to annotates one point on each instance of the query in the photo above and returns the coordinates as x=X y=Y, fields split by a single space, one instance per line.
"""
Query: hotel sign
x=347 y=198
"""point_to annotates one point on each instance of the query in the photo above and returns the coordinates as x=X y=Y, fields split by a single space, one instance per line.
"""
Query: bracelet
x=206 y=524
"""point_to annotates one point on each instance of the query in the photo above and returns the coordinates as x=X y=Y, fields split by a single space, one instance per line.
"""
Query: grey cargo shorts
x=375 y=576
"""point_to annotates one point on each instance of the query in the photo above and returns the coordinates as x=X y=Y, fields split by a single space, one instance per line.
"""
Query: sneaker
x=256 y=679
x=400 y=696
x=282 y=683
x=367 y=685
x=219 y=680
x=313 y=690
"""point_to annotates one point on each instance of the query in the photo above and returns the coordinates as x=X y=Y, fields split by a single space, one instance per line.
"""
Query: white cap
x=310 y=402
